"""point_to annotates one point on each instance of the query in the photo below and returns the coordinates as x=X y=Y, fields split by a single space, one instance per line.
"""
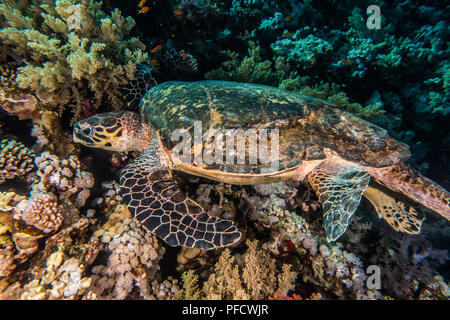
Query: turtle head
x=115 y=131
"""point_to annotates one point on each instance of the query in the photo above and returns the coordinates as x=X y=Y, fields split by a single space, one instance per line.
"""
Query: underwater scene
x=224 y=150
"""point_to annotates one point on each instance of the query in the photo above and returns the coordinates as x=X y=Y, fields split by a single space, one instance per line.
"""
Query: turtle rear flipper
x=410 y=182
x=155 y=199
x=339 y=189
x=398 y=213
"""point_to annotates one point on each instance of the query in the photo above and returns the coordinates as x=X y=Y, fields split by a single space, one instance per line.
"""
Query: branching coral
x=437 y=100
x=253 y=69
x=303 y=51
x=70 y=50
x=330 y=267
x=252 y=276
x=250 y=69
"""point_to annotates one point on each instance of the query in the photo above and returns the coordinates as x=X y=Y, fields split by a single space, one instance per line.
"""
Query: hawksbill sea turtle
x=335 y=151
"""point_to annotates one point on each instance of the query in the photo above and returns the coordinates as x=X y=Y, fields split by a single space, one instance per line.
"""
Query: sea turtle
x=335 y=151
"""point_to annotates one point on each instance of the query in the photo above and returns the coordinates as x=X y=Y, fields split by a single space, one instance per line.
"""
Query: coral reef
x=252 y=69
x=65 y=176
x=58 y=189
x=133 y=261
x=43 y=212
x=65 y=232
x=70 y=51
x=324 y=264
x=249 y=69
x=6 y=258
x=16 y=160
x=61 y=278
x=407 y=264
x=251 y=276
x=341 y=52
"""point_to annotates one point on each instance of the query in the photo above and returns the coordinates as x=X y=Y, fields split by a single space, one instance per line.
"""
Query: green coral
x=438 y=97
x=250 y=69
x=70 y=51
x=303 y=51
x=253 y=69
x=333 y=94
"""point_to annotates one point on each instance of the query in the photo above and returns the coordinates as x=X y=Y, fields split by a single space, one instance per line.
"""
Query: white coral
x=134 y=256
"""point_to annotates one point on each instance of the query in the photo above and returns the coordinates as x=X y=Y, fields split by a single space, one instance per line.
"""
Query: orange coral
x=16 y=160
x=7 y=258
x=277 y=296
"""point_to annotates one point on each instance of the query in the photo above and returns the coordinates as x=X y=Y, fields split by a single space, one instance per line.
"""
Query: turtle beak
x=76 y=133
x=82 y=134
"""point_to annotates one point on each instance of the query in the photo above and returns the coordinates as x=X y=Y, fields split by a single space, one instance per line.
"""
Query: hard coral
x=333 y=269
x=65 y=176
x=70 y=50
x=134 y=256
x=304 y=50
x=61 y=278
x=44 y=212
x=23 y=106
x=16 y=160
x=249 y=69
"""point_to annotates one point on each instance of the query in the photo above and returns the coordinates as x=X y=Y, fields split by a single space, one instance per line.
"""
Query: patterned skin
x=335 y=151
x=155 y=200
x=116 y=131
x=410 y=182
x=339 y=203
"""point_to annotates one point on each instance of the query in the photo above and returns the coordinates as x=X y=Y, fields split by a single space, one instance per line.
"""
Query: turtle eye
x=87 y=131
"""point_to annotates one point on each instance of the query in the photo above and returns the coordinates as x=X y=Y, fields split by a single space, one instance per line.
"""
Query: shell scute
x=306 y=125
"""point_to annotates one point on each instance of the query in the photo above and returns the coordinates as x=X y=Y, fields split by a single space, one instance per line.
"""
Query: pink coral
x=23 y=107
x=43 y=212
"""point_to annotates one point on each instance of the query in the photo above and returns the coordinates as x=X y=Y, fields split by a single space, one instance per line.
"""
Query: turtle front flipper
x=138 y=87
x=339 y=189
x=154 y=198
